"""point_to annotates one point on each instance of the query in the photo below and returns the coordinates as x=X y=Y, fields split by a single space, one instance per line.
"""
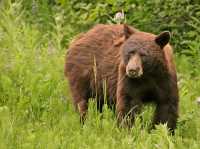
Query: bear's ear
x=128 y=31
x=163 y=38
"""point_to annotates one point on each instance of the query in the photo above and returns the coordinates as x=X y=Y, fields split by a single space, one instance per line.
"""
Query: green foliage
x=178 y=16
x=35 y=107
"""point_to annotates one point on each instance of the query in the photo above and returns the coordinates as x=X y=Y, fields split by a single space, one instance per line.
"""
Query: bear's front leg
x=126 y=106
x=122 y=108
x=167 y=106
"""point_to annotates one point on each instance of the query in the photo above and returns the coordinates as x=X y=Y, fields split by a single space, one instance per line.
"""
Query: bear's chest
x=144 y=89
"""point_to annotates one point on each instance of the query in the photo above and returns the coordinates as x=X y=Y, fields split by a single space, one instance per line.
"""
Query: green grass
x=35 y=107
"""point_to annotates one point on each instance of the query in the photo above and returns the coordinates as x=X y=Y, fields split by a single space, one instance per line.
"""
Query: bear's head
x=143 y=53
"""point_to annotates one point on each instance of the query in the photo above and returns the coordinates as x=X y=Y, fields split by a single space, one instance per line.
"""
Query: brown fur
x=96 y=58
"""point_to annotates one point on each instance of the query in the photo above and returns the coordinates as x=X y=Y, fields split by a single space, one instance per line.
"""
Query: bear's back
x=94 y=47
x=100 y=36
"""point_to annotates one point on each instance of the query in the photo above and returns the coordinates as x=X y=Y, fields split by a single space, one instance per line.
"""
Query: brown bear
x=131 y=66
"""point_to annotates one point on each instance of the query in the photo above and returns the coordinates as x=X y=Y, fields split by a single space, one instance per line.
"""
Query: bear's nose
x=134 y=72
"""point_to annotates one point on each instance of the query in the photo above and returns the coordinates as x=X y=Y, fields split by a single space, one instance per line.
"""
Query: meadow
x=35 y=102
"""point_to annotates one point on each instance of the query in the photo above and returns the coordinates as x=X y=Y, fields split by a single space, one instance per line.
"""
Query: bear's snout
x=134 y=67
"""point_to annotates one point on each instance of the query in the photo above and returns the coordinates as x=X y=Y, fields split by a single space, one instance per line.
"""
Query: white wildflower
x=119 y=17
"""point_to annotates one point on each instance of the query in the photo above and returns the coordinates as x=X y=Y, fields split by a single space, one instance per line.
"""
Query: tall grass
x=35 y=107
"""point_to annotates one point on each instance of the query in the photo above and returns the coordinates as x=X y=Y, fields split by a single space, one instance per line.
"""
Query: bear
x=133 y=68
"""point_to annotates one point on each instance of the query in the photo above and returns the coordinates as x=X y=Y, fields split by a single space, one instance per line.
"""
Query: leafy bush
x=178 y=16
